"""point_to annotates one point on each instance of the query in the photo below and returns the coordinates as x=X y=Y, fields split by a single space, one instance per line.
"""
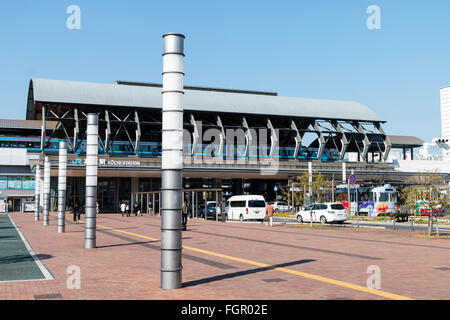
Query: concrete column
x=62 y=186
x=37 y=192
x=46 y=204
x=91 y=181
x=172 y=161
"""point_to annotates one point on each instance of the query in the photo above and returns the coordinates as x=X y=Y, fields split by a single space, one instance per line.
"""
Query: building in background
x=299 y=130
x=445 y=112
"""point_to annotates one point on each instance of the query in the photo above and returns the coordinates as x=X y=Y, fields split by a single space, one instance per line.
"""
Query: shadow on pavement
x=243 y=273
x=23 y=258
x=126 y=244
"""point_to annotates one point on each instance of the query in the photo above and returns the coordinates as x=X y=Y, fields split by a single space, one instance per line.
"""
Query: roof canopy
x=405 y=141
x=135 y=96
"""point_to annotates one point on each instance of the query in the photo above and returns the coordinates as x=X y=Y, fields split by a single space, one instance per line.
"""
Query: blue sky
x=313 y=49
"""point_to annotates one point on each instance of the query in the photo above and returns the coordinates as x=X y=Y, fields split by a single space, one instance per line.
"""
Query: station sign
x=106 y=163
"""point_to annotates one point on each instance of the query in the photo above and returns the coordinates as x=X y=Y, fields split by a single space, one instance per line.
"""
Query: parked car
x=247 y=207
x=280 y=206
x=211 y=208
x=323 y=212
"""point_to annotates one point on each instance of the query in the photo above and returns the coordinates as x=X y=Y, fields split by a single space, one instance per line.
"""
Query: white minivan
x=247 y=207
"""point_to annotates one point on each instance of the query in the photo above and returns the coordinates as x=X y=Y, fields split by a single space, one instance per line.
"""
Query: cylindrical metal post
x=46 y=204
x=172 y=161
x=37 y=192
x=91 y=181
x=62 y=174
x=344 y=172
x=153 y=204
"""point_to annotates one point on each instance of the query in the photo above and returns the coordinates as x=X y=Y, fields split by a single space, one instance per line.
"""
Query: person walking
x=127 y=209
x=184 y=210
x=136 y=208
x=149 y=207
x=269 y=212
x=76 y=212
x=97 y=208
x=123 y=207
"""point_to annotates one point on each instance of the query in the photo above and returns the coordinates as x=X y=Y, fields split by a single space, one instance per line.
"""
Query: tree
x=296 y=191
x=428 y=191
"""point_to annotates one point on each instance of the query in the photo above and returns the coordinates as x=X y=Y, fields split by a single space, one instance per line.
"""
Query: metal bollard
x=393 y=222
x=412 y=224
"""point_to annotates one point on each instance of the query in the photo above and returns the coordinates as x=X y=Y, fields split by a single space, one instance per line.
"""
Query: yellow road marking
x=339 y=283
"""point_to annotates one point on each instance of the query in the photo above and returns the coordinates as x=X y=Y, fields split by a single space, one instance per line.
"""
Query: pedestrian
x=76 y=212
x=97 y=208
x=149 y=207
x=136 y=208
x=123 y=207
x=269 y=212
x=127 y=209
x=184 y=212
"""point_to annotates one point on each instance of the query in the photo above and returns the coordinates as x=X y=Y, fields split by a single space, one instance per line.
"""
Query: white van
x=248 y=207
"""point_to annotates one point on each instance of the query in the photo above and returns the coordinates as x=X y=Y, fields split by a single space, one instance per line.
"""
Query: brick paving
x=125 y=266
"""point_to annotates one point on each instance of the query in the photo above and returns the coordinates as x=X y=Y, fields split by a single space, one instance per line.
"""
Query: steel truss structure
x=125 y=129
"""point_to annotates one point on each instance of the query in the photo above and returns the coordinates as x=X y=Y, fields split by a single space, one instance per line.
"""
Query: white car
x=323 y=212
x=280 y=206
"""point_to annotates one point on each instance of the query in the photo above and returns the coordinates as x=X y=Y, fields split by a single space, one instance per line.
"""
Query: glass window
x=4 y=144
x=256 y=204
x=384 y=197
x=237 y=204
x=28 y=183
x=337 y=206
x=393 y=197
x=15 y=183
x=3 y=183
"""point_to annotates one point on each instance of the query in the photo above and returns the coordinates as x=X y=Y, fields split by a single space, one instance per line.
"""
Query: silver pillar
x=46 y=204
x=172 y=161
x=41 y=191
x=37 y=192
x=62 y=174
x=91 y=181
x=344 y=172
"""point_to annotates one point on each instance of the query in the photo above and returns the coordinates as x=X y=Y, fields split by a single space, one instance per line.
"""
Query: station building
x=298 y=131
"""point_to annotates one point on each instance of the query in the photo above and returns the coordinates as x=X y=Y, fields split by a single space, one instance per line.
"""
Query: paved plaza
x=221 y=261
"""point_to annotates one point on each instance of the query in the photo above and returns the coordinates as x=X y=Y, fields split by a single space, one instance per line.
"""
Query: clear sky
x=312 y=49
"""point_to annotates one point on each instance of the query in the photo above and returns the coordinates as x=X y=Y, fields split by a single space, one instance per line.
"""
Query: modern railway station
x=235 y=142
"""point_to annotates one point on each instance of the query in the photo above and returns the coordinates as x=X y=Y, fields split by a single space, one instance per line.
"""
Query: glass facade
x=111 y=192
x=16 y=183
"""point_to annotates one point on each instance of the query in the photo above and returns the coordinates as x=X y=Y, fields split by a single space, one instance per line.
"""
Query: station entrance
x=197 y=200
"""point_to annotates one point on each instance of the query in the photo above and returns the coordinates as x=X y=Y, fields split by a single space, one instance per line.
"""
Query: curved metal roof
x=405 y=141
x=72 y=92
